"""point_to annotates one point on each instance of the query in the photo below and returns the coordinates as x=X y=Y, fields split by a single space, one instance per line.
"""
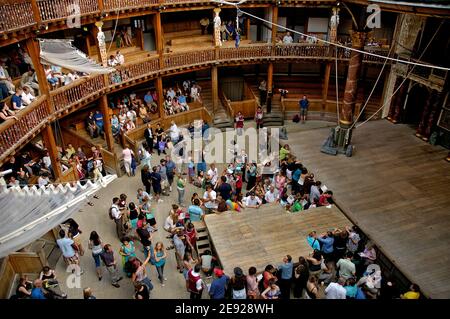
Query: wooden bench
x=81 y=125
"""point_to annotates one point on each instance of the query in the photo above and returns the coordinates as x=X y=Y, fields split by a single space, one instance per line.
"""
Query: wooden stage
x=258 y=237
x=396 y=188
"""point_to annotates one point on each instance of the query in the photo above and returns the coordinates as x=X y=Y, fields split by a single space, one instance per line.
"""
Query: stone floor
x=96 y=218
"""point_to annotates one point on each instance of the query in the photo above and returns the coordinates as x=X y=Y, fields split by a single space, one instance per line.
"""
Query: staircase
x=275 y=117
x=222 y=120
x=203 y=242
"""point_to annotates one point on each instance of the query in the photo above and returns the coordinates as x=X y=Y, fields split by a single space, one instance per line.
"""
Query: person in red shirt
x=194 y=282
x=326 y=198
x=239 y=119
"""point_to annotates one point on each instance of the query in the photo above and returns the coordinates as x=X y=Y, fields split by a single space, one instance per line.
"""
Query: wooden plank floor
x=258 y=237
x=397 y=189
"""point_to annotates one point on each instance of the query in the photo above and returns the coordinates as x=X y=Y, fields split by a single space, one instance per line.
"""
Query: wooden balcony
x=14 y=133
x=86 y=90
x=16 y=15
x=53 y=10
x=114 y=5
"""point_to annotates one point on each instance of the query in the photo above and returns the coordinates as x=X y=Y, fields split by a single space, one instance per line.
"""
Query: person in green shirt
x=181 y=184
x=284 y=152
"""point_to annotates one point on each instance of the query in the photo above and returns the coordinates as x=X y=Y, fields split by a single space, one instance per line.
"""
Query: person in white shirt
x=171 y=93
x=131 y=115
x=213 y=174
x=287 y=39
x=253 y=201
x=271 y=195
x=70 y=77
x=127 y=159
x=120 y=59
x=174 y=133
x=112 y=61
x=336 y=290
x=210 y=198
x=6 y=79
x=27 y=97
x=43 y=180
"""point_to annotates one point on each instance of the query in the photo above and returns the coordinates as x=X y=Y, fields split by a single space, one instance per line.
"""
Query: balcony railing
x=29 y=121
x=110 y=5
x=68 y=96
x=188 y=58
x=245 y=52
x=61 y=9
x=17 y=15
x=134 y=70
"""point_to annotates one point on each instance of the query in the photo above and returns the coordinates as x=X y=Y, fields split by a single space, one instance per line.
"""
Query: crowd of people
x=176 y=100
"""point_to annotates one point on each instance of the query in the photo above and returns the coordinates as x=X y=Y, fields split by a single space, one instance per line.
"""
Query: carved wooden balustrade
x=188 y=58
x=246 y=52
x=111 y=5
x=68 y=96
x=30 y=120
x=61 y=9
x=133 y=71
x=302 y=50
x=16 y=15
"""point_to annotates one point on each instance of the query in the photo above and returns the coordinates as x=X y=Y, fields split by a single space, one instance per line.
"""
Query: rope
x=404 y=80
x=335 y=44
x=115 y=27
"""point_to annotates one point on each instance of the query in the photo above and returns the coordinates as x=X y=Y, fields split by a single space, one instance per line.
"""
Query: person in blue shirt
x=296 y=177
x=219 y=285
x=195 y=212
x=312 y=241
x=286 y=269
x=37 y=292
x=98 y=117
x=327 y=241
x=304 y=103
x=16 y=100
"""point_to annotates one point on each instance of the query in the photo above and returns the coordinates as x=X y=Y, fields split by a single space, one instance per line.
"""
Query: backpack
x=111 y=216
x=296 y=118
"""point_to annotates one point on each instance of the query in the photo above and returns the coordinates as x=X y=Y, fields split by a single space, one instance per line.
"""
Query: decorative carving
x=101 y=43
x=217 y=24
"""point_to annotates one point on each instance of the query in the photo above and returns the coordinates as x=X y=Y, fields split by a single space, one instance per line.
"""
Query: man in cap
x=219 y=285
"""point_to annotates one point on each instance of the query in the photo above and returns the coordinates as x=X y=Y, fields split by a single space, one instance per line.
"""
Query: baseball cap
x=218 y=272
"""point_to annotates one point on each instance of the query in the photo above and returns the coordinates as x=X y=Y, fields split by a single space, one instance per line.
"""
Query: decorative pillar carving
x=217 y=24
x=101 y=43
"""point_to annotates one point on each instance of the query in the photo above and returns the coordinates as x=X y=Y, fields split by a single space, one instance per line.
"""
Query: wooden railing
x=226 y=103
x=111 y=162
x=176 y=60
x=67 y=96
x=70 y=175
x=32 y=118
x=16 y=15
x=132 y=71
x=246 y=52
x=61 y=9
x=110 y=5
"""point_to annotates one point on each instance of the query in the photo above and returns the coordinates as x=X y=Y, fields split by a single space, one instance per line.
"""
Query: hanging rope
x=334 y=44
x=115 y=27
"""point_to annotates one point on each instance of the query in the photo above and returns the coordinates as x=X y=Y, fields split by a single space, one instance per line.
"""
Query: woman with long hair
x=160 y=260
x=95 y=244
x=312 y=288
x=127 y=250
x=301 y=275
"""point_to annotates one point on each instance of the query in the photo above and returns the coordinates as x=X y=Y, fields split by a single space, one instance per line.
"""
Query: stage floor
x=396 y=188
x=258 y=237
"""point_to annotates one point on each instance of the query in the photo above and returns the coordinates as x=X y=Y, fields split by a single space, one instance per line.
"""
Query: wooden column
x=326 y=83
x=247 y=28
x=100 y=5
x=36 y=14
x=269 y=87
x=50 y=145
x=434 y=114
x=274 y=20
x=107 y=122
x=159 y=91
x=400 y=102
x=351 y=84
x=159 y=38
x=394 y=99
x=215 y=87
x=33 y=49
x=140 y=38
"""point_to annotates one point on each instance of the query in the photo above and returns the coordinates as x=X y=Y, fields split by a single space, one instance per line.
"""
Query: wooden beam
x=103 y=101
x=32 y=46
x=50 y=144
x=326 y=83
x=215 y=87
x=36 y=14
x=159 y=91
x=274 y=27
